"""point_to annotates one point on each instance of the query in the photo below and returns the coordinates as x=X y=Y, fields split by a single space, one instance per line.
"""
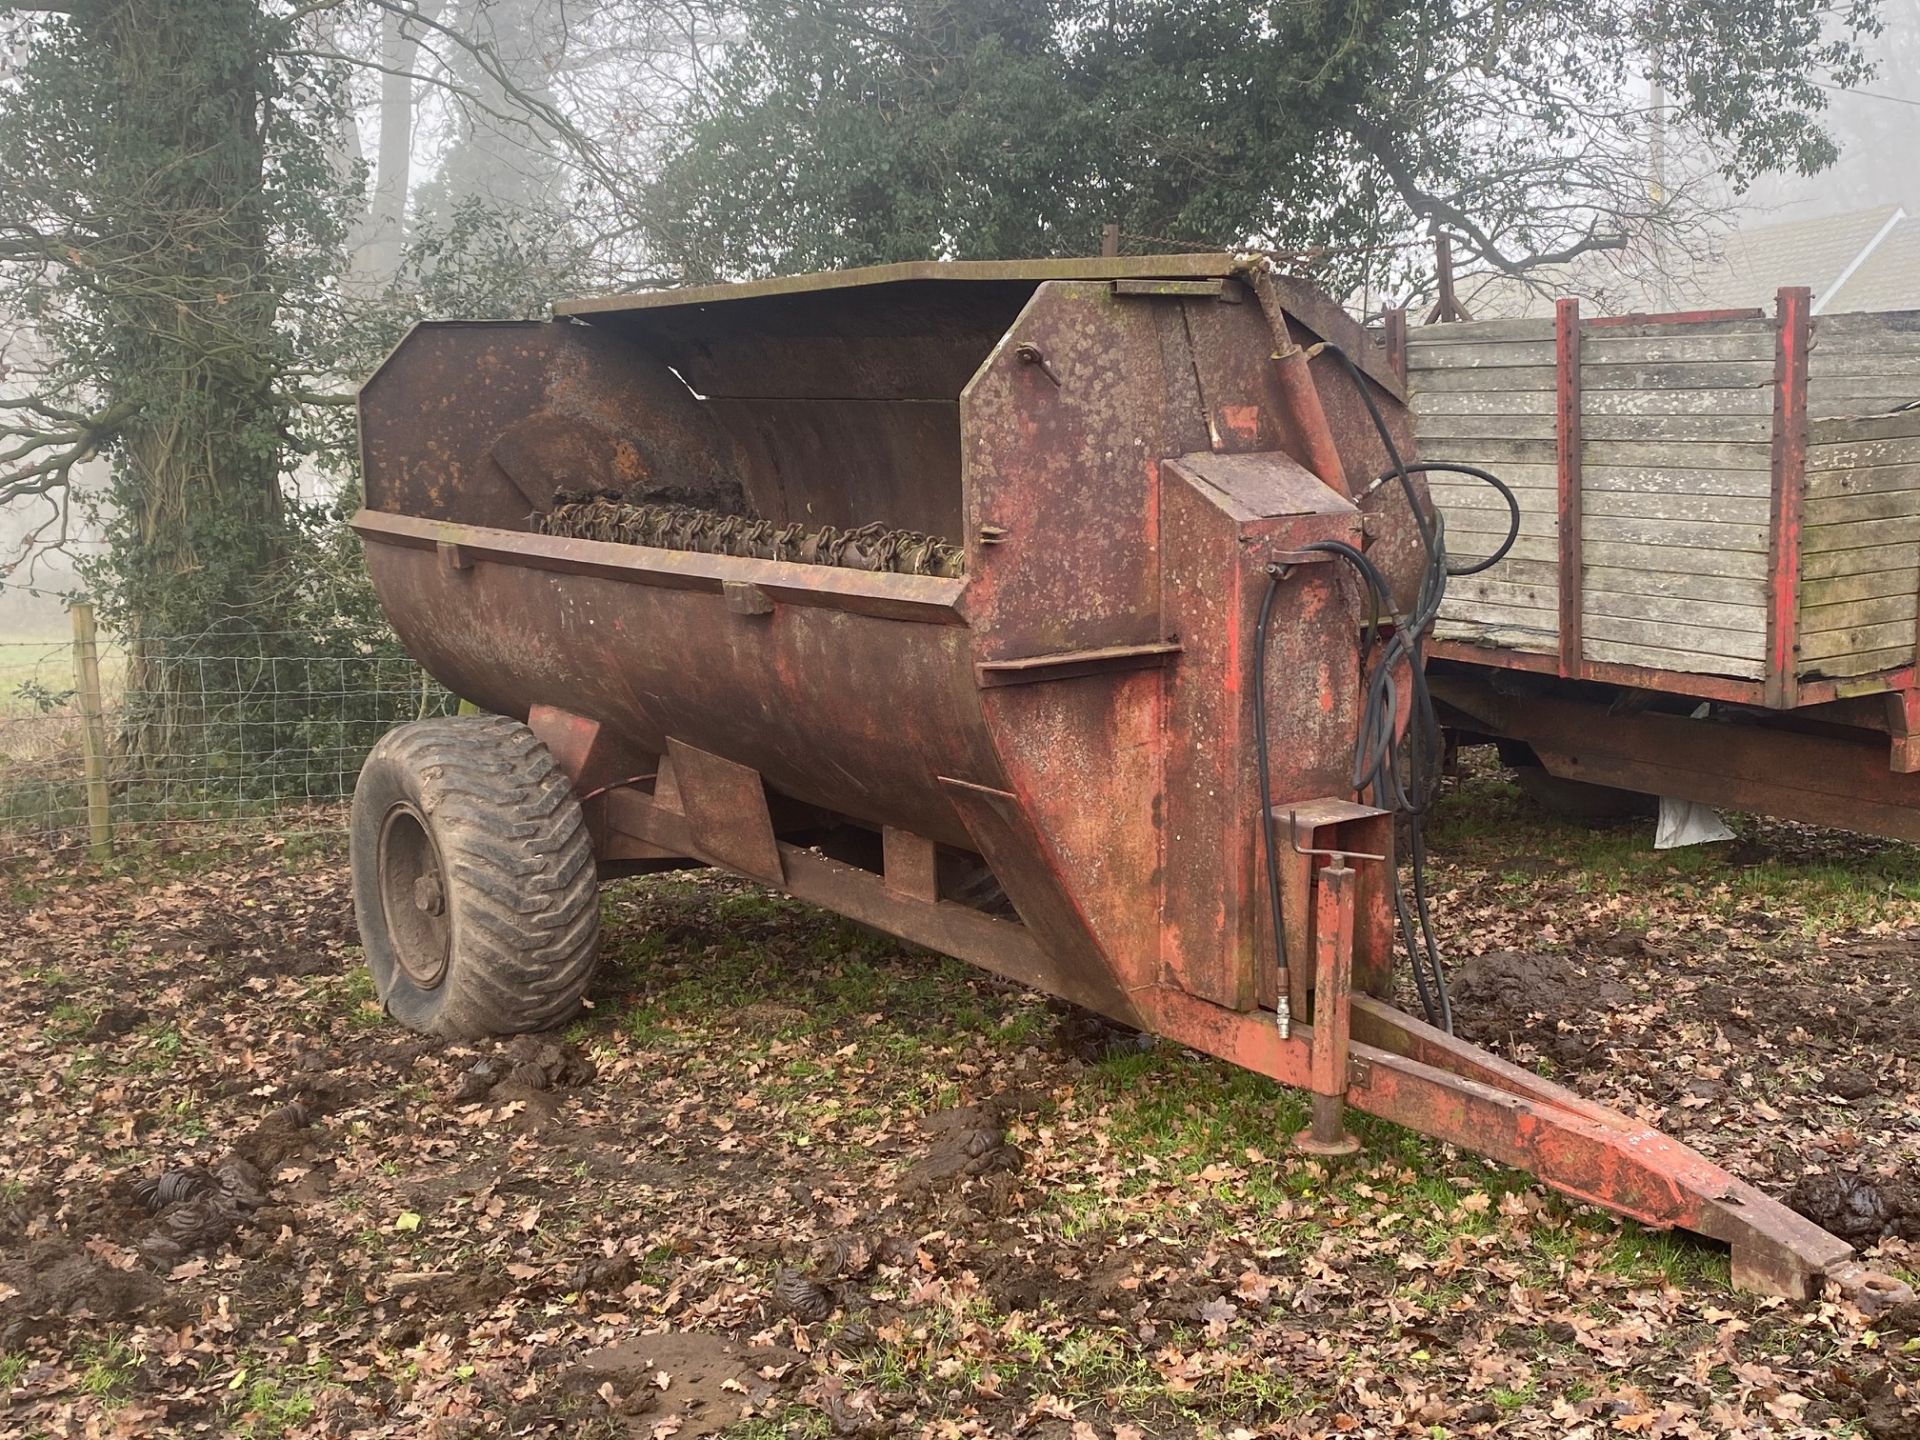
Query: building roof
x=1888 y=278
x=1755 y=263
x=1859 y=260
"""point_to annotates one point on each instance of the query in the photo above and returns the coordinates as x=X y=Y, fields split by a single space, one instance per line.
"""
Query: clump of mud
x=197 y=1210
x=680 y=1383
x=1857 y=1208
x=1886 y=1404
x=527 y=1064
x=803 y=1297
x=967 y=1142
x=1507 y=996
x=58 y=1286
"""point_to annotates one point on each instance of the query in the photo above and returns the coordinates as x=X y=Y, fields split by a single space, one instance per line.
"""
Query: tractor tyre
x=473 y=879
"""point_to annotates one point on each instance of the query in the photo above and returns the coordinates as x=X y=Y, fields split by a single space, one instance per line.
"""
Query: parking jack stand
x=1332 y=1016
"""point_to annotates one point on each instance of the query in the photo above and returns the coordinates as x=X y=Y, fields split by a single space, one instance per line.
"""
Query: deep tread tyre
x=473 y=879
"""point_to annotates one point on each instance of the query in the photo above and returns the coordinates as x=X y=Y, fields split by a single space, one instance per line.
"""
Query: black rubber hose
x=1486 y=477
x=1264 y=768
x=1375 y=771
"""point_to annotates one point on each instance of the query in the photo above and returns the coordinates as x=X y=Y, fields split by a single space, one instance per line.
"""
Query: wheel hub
x=414 y=896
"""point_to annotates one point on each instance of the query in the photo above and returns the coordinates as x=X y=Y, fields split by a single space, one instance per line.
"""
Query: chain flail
x=605 y=516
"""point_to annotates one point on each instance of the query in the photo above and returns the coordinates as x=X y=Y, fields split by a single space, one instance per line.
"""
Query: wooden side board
x=1851 y=621
x=1734 y=499
x=1638 y=454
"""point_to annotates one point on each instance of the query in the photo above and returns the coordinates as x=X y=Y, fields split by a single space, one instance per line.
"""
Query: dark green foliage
x=174 y=185
x=859 y=131
x=170 y=207
x=174 y=225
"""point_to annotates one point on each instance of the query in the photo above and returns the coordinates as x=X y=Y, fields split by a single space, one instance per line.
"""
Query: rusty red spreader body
x=1128 y=452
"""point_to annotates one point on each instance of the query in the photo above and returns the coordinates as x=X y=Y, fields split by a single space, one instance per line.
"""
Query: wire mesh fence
x=192 y=737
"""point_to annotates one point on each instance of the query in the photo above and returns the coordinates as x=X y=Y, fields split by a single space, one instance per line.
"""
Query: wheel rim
x=413 y=896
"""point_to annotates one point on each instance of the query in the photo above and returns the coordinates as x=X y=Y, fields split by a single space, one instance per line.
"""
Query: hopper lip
x=1320 y=312
x=1202 y=266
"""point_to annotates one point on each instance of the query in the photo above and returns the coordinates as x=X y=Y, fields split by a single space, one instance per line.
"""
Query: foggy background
x=427 y=160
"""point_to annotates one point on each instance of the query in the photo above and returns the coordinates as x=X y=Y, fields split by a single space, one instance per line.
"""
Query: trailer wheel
x=473 y=879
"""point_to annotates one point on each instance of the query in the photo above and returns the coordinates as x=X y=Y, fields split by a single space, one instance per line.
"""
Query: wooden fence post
x=93 y=724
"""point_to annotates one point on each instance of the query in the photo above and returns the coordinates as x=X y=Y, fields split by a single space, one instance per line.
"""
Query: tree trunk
x=190 y=318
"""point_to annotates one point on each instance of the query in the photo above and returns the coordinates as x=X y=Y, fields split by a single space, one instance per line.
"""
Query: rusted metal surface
x=952 y=275
x=1789 y=498
x=883 y=596
x=910 y=864
x=1638 y=677
x=1307 y=418
x=1312 y=832
x=1122 y=469
x=1215 y=937
x=1566 y=410
x=1903 y=725
x=1332 y=1017
x=1069 y=664
x=1457 y=1093
x=971 y=289
x=847 y=462
x=725 y=804
x=854 y=711
x=483 y=421
x=1018 y=952
x=1301 y=412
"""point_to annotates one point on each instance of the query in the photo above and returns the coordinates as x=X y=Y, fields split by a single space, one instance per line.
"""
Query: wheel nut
x=428 y=896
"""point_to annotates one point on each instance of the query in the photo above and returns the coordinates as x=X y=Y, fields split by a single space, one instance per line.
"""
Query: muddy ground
x=789 y=1179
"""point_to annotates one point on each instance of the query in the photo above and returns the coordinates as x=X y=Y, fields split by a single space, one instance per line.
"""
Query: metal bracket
x=1293 y=839
x=725 y=804
x=1028 y=353
x=1069 y=664
x=743 y=597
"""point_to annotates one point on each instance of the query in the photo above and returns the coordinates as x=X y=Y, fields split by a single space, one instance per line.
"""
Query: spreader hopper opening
x=814 y=426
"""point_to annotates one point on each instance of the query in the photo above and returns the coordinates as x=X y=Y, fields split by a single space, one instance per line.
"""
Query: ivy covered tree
x=164 y=205
x=856 y=131
x=179 y=186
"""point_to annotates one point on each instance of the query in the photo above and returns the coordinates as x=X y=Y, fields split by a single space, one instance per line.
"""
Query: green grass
x=1678 y=1260
x=1818 y=881
x=271 y=1396
x=812 y=974
x=708 y=954
x=796 y=1422
x=107 y=1368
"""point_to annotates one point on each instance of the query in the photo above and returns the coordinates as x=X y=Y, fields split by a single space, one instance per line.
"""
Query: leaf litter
x=787 y=1178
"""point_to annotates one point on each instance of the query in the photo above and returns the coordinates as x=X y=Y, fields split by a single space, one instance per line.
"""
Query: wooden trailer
x=1714 y=589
